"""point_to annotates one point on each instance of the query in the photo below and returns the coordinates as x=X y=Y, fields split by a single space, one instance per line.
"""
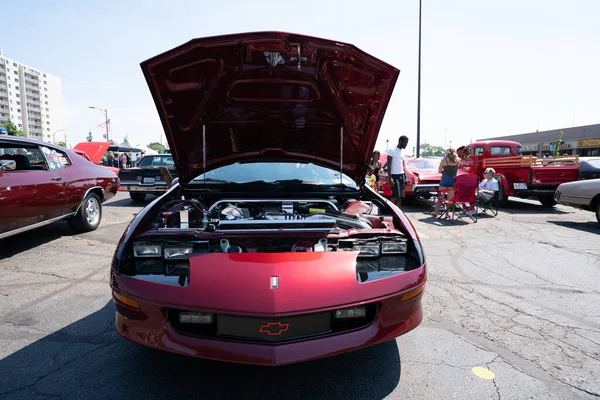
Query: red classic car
x=94 y=151
x=42 y=183
x=270 y=249
x=422 y=177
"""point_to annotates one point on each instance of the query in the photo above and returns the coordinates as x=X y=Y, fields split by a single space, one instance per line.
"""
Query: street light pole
x=54 y=135
x=419 y=90
x=105 y=113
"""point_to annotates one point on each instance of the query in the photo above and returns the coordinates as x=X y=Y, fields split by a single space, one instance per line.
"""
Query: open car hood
x=269 y=96
x=94 y=150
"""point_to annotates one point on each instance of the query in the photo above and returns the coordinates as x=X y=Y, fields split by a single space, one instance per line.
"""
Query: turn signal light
x=411 y=294
x=126 y=301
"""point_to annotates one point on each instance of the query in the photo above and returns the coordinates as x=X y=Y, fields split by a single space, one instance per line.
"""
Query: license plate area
x=147 y=179
x=520 y=186
x=273 y=329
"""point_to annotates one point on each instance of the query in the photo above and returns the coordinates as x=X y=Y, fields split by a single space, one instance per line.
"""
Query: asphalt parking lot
x=512 y=312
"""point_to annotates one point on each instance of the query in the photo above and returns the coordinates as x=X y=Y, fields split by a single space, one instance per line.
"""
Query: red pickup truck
x=521 y=176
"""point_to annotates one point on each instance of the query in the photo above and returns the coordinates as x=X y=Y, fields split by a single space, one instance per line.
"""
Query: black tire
x=547 y=201
x=88 y=216
x=137 y=197
x=598 y=212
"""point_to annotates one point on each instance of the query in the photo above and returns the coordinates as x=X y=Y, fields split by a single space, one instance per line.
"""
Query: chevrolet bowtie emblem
x=274 y=328
x=274 y=282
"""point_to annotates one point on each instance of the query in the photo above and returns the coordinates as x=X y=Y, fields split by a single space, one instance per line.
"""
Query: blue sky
x=488 y=68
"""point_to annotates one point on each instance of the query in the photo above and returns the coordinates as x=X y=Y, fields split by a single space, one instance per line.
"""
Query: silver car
x=580 y=194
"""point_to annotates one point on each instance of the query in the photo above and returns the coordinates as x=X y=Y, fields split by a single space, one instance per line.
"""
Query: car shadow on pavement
x=88 y=359
x=28 y=240
x=522 y=207
x=590 y=226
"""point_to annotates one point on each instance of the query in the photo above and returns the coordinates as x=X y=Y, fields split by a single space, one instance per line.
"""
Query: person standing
x=396 y=175
x=449 y=169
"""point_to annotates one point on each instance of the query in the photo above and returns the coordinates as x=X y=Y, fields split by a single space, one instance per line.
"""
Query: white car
x=580 y=194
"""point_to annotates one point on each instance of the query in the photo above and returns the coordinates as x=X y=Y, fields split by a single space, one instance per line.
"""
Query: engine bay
x=272 y=215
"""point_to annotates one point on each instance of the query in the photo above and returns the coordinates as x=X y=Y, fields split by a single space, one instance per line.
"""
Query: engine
x=264 y=215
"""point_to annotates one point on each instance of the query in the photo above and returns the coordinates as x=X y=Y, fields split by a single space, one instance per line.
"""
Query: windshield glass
x=156 y=161
x=594 y=163
x=422 y=164
x=270 y=172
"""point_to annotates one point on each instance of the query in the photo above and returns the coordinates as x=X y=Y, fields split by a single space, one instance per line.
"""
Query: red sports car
x=422 y=177
x=270 y=249
x=41 y=183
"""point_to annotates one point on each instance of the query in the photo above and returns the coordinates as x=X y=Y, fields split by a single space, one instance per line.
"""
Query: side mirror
x=7 y=165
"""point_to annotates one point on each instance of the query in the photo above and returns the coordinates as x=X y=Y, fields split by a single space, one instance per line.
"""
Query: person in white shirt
x=396 y=175
x=488 y=187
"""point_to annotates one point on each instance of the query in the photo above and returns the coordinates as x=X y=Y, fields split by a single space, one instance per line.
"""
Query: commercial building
x=580 y=140
x=31 y=99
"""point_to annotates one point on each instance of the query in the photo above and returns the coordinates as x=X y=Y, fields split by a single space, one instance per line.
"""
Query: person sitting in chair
x=488 y=187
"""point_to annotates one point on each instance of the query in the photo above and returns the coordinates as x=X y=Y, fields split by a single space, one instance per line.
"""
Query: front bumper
x=149 y=326
x=145 y=188
x=424 y=190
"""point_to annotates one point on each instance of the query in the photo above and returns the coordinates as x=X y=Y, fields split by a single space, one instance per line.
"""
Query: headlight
x=177 y=253
x=393 y=247
x=367 y=250
x=146 y=250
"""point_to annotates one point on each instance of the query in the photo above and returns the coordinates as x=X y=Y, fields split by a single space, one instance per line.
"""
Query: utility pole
x=419 y=90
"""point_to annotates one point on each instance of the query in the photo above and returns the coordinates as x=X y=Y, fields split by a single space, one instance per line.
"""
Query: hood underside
x=269 y=96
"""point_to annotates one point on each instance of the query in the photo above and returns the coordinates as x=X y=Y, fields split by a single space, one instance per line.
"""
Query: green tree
x=12 y=129
x=157 y=147
x=89 y=137
x=559 y=141
x=431 y=150
x=62 y=144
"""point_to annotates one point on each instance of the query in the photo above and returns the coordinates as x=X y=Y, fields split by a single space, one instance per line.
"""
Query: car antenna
x=204 y=151
x=341 y=151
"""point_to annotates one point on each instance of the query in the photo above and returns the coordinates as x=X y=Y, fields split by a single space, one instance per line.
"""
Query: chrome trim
x=272 y=201
x=145 y=189
x=34 y=226
x=88 y=192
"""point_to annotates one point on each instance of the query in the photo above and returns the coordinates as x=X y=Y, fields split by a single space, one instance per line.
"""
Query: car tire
x=598 y=212
x=547 y=201
x=137 y=197
x=88 y=216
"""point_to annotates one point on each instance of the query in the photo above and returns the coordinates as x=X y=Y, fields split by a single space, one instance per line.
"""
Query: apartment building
x=31 y=99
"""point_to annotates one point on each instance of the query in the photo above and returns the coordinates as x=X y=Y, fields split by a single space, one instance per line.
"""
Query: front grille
x=272 y=329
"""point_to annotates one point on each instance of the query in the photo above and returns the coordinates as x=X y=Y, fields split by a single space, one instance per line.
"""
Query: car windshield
x=594 y=163
x=422 y=164
x=305 y=173
x=156 y=161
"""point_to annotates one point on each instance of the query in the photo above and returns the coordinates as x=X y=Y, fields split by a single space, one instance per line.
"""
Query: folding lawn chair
x=491 y=205
x=464 y=202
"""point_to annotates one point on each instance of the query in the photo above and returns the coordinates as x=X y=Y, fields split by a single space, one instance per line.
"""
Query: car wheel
x=598 y=212
x=137 y=197
x=547 y=201
x=89 y=215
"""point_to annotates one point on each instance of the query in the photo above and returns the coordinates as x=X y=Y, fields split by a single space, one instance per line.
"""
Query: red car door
x=29 y=194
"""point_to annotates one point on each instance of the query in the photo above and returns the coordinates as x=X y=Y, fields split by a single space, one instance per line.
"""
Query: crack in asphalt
x=494 y=379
